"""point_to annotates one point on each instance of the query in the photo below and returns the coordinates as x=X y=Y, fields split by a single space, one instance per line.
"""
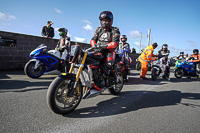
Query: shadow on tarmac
x=22 y=86
x=134 y=100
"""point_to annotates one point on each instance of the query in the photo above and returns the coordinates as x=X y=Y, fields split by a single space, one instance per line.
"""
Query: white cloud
x=174 y=49
x=78 y=39
x=192 y=43
x=88 y=27
x=134 y=33
x=138 y=44
x=6 y=17
x=188 y=50
x=58 y=11
x=86 y=21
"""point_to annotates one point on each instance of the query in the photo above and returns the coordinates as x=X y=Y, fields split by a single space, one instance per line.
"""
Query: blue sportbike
x=186 y=69
x=45 y=61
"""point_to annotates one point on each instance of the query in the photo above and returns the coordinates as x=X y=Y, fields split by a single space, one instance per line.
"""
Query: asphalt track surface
x=142 y=107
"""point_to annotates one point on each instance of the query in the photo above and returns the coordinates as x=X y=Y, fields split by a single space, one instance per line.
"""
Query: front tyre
x=119 y=83
x=58 y=98
x=179 y=73
x=34 y=73
x=154 y=75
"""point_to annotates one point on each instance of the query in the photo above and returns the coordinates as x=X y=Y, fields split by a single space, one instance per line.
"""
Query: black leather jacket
x=107 y=37
x=47 y=32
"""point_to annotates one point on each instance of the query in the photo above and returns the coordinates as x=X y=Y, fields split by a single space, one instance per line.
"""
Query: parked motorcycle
x=92 y=77
x=160 y=68
x=45 y=61
x=187 y=69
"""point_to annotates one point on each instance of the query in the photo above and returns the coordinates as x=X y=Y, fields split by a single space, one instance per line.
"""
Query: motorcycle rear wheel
x=154 y=75
x=34 y=73
x=58 y=98
x=116 y=89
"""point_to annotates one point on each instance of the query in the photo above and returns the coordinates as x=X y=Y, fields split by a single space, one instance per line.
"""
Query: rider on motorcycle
x=163 y=51
x=196 y=59
x=107 y=36
x=124 y=48
x=64 y=42
x=180 y=56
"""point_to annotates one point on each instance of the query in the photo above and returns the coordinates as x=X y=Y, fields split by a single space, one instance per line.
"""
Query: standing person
x=48 y=31
x=133 y=50
x=145 y=57
x=196 y=60
x=64 y=43
x=106 y=35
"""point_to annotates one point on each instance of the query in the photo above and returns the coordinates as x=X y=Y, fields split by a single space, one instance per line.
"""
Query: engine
x=98 y=78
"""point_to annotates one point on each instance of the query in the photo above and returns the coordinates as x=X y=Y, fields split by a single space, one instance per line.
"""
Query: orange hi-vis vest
x=147 y=54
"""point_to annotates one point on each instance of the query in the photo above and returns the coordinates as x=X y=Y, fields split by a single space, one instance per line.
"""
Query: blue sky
x=175 y=22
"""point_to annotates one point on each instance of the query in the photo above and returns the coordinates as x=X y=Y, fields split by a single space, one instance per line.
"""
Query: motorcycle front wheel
x=34 y=73
x=179 y=73
x=154 y=75
x=58 y=98
x=118 y=85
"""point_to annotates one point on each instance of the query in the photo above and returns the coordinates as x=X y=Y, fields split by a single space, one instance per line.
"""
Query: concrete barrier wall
x=16 y=57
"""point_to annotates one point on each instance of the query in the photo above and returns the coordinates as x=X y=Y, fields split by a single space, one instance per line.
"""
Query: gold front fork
x=81 y=67
x=78 y=73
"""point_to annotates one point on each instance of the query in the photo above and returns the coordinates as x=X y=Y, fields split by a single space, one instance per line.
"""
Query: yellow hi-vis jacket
x=147 y=55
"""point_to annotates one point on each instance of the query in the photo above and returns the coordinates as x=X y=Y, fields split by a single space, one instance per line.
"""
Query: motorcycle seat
x=53 y=56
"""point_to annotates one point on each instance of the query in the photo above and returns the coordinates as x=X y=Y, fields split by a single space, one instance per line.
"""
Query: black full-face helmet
x=63 y=31
x=104 y=15
x=196 y=51
x=181 y=53
x=165 y=47
x=123 y=38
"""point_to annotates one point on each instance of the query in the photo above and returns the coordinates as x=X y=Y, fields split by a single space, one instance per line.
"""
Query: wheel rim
x=35 y=72
x=61 y=97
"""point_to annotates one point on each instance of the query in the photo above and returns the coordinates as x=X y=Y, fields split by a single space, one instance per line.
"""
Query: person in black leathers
x=48 y=31
x=107 y=36
x=181 y=56
x=163 y=51
x=64 y=42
